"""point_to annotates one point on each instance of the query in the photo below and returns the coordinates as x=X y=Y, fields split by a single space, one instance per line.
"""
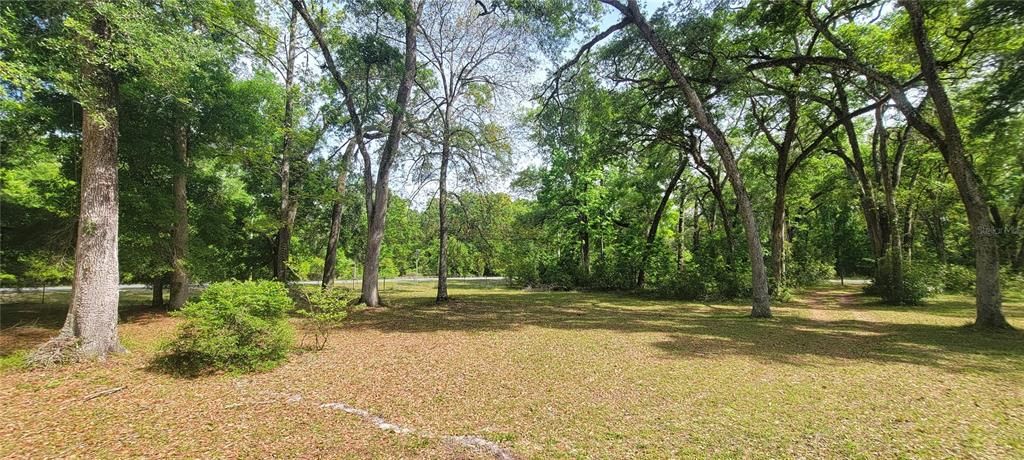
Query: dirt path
x=833 y=304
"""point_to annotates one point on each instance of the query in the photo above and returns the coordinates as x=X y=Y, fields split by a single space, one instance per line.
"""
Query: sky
x=525 y=152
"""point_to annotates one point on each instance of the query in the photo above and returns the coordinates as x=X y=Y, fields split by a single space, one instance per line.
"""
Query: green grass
x=571 y=375
x=14 y=361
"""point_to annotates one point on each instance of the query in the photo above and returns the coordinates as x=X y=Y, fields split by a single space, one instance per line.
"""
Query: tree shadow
x=25 y=325
x=703 y=330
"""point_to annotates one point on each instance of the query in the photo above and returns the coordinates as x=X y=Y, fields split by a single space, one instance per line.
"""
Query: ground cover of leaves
x=547 y=375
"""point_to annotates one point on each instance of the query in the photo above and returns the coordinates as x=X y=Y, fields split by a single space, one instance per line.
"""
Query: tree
x=377 y=200
x=90 y=330
x=471 y=58
x=632 y=15
x=945 y=135
x=331 y=257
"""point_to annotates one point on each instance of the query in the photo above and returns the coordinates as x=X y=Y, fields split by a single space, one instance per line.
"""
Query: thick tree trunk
x=988 y=296
x=287 y=210
x=652 y=231
x=378 y=215
x=371 y=266
x=442 y=233
x=179 y=231
x=90 y=330
x=331 y=258
x=761 y=297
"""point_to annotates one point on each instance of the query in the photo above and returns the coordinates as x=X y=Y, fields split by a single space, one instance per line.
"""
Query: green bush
x=325 y=309
x=810 y=273
x=919 y=281
x=957 y=279
x=237 y=326
x=1013 y=283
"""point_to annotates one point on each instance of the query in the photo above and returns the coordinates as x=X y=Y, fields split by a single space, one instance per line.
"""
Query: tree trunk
x=698 y=209
x=891 y=221
x=876 y=220
x=782 y=171
x=287 y=209
x=376 y=218
x=91 y=324
x=331 y=258
x=584 y=234
x=158 y=293
x=937 y=232
x=652 y=231
x=680 y=226
x=761 y=298
x=179 y=231
x=778 y=236
x=1018 y=261
x=442 y=233
x=988 y=297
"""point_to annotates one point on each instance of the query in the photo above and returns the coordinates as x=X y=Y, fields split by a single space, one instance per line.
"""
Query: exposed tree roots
x=472 y=442
x=62 y=349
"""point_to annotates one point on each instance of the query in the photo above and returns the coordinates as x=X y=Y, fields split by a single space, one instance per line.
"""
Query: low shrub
x=713 y=281
x=1013 y=282
x=919 y=281
x=957 y=279
x=810 y=273
x=236 y=326
x=324 y=309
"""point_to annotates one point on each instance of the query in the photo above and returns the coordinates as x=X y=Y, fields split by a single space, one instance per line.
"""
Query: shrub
x=325 y=309
x=957 y=279
x=237 y=326
x=709 y=281
x=810 y=273
x=1013 y=283
x=919 y=281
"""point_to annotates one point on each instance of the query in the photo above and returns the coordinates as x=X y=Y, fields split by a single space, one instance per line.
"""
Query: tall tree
x=631 y=15
x=179 y=230
x=331 y=257
x=92 y=315
x=289 y=207
x=945 y=134
x=377 y=200
x=471 y=58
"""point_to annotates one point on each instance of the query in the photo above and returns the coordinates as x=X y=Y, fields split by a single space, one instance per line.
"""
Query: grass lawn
x=549 y=375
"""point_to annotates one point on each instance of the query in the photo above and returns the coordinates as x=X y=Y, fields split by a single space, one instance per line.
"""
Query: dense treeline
x=700 y=150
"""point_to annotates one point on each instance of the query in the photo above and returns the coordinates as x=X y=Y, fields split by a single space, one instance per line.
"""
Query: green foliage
x=1013 y=283
x=919 y=281
x=957 y=279
x=44 y=270
x=236 y=326
x=324 y=310
x=14 y=361
x=810 y=273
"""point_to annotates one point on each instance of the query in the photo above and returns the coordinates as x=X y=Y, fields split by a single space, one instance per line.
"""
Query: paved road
x=852 y=282
x=342 y=282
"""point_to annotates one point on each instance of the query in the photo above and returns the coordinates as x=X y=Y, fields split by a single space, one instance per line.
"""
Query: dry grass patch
x=563 y=374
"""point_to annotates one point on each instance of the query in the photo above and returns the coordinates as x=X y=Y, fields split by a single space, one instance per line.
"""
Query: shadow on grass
x=696 y=330
x=26 y=323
